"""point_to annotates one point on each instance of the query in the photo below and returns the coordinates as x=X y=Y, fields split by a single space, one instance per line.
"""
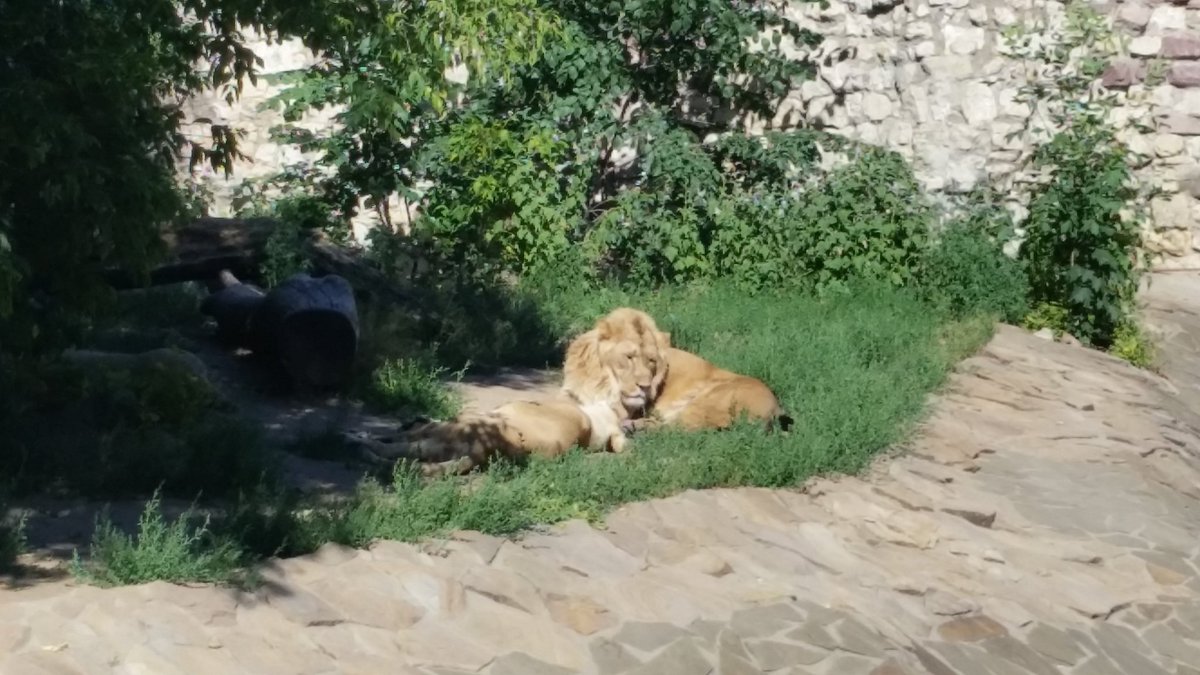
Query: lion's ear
x=603 y=329
x=665 y=336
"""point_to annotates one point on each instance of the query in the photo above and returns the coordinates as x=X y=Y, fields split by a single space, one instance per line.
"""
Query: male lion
x=621 y=361
x=626 y=361
x=515 y=430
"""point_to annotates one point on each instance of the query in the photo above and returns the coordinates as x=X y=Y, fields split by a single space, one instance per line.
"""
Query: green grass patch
x=1130 y=342
x=853 y=370
x=178 y=551
x=407 y=385
x=12 y=539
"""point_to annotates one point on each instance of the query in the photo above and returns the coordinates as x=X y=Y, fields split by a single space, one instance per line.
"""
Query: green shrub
x=411 y=386
x=12 y=539
x=966 y=272
x=298 y=215
x=1131 y=343
x=867 y=219
x=1082 y=237
x=283 y=253
x=1047 y=315
x=1080 y=249
x=178 y=552
x=499 y=198
x=118 y=432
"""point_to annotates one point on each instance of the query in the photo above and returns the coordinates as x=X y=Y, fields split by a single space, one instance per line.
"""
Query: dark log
x=166 y=357
x=233 y=307
x=310 y=327
x=199 y=250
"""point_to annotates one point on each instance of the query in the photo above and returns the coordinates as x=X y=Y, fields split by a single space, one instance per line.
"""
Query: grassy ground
x=853 y=369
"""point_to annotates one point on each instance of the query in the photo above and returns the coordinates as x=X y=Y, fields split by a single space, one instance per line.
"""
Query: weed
x=1047 y=315
x=268 y=521
x=168 y=551
x=12 y=539
x=967 y=271
x=1131 y=343
x=411 y=386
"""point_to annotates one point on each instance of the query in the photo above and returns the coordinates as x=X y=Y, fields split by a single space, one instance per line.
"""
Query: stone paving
x=1044 y=520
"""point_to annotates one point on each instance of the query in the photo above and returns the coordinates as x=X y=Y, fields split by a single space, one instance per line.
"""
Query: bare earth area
x=1046 y=519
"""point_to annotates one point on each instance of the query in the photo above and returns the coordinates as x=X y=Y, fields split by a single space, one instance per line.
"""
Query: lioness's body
x=675 y=387
x=699 y=395
x=515 y=430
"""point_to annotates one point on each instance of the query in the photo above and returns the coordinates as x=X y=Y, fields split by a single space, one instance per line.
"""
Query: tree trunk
x=201 y=249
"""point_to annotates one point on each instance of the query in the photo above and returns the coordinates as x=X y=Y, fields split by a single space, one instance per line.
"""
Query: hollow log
x=310 y=327
x=307 y=326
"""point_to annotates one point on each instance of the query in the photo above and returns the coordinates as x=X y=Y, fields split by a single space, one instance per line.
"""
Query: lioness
x=678 y=388
x=515 y=430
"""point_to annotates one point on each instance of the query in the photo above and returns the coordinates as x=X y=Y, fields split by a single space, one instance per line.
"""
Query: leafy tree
x=90 y=117
x=526 y=166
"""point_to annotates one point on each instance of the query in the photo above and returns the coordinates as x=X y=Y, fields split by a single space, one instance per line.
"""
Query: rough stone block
x=1166 y=19
x=1185 y=74
x=977 y=15
x=877 y=107
x=1190 y=182
x=1134 y=16
x=1168 y=145
x=1123 y=73
x=963 y=40
x=1177 y=123
x=1172 y=213
x=978 y=104
x=1184 y=45
x=1146 y=45
x=918 y=30
x=1171 y=242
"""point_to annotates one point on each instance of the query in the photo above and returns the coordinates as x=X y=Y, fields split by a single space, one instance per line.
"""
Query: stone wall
x=930 y=79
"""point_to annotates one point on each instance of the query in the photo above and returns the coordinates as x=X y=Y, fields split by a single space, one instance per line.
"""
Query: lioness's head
x=621 y=361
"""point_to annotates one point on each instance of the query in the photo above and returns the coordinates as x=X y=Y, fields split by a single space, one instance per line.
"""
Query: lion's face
x=632 y=351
